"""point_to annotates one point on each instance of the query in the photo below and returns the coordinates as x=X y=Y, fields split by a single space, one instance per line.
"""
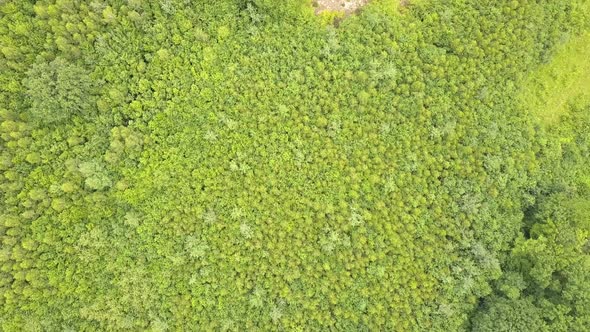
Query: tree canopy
x=247 y=165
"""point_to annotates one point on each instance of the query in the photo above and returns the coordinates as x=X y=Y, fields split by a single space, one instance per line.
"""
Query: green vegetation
x=246 y=165
x=57 y=91
x=566 y=77
x=545 y=285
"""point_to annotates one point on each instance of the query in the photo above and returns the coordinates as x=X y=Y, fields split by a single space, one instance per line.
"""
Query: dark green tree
x=58 y=90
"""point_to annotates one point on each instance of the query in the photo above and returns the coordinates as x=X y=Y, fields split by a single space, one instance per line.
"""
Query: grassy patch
x=549 y=90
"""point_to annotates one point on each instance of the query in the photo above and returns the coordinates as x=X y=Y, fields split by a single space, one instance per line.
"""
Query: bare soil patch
x=346 y=6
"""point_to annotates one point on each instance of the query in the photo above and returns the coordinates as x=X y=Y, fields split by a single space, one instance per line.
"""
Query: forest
x=268 y=165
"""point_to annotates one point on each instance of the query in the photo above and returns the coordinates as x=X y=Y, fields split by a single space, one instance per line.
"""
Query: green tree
x=58 y=90
x=503 y=315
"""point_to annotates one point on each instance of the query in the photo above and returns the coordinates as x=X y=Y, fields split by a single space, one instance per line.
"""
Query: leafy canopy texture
x=57 y=91
x=246 y=165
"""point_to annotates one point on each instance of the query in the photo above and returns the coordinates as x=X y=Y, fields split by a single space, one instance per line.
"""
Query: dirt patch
x=346 y=6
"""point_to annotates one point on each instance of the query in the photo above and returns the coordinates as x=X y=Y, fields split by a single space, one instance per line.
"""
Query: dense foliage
x=245 y=165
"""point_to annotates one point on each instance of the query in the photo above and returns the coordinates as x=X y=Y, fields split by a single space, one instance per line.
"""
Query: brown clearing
x=346 y=6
